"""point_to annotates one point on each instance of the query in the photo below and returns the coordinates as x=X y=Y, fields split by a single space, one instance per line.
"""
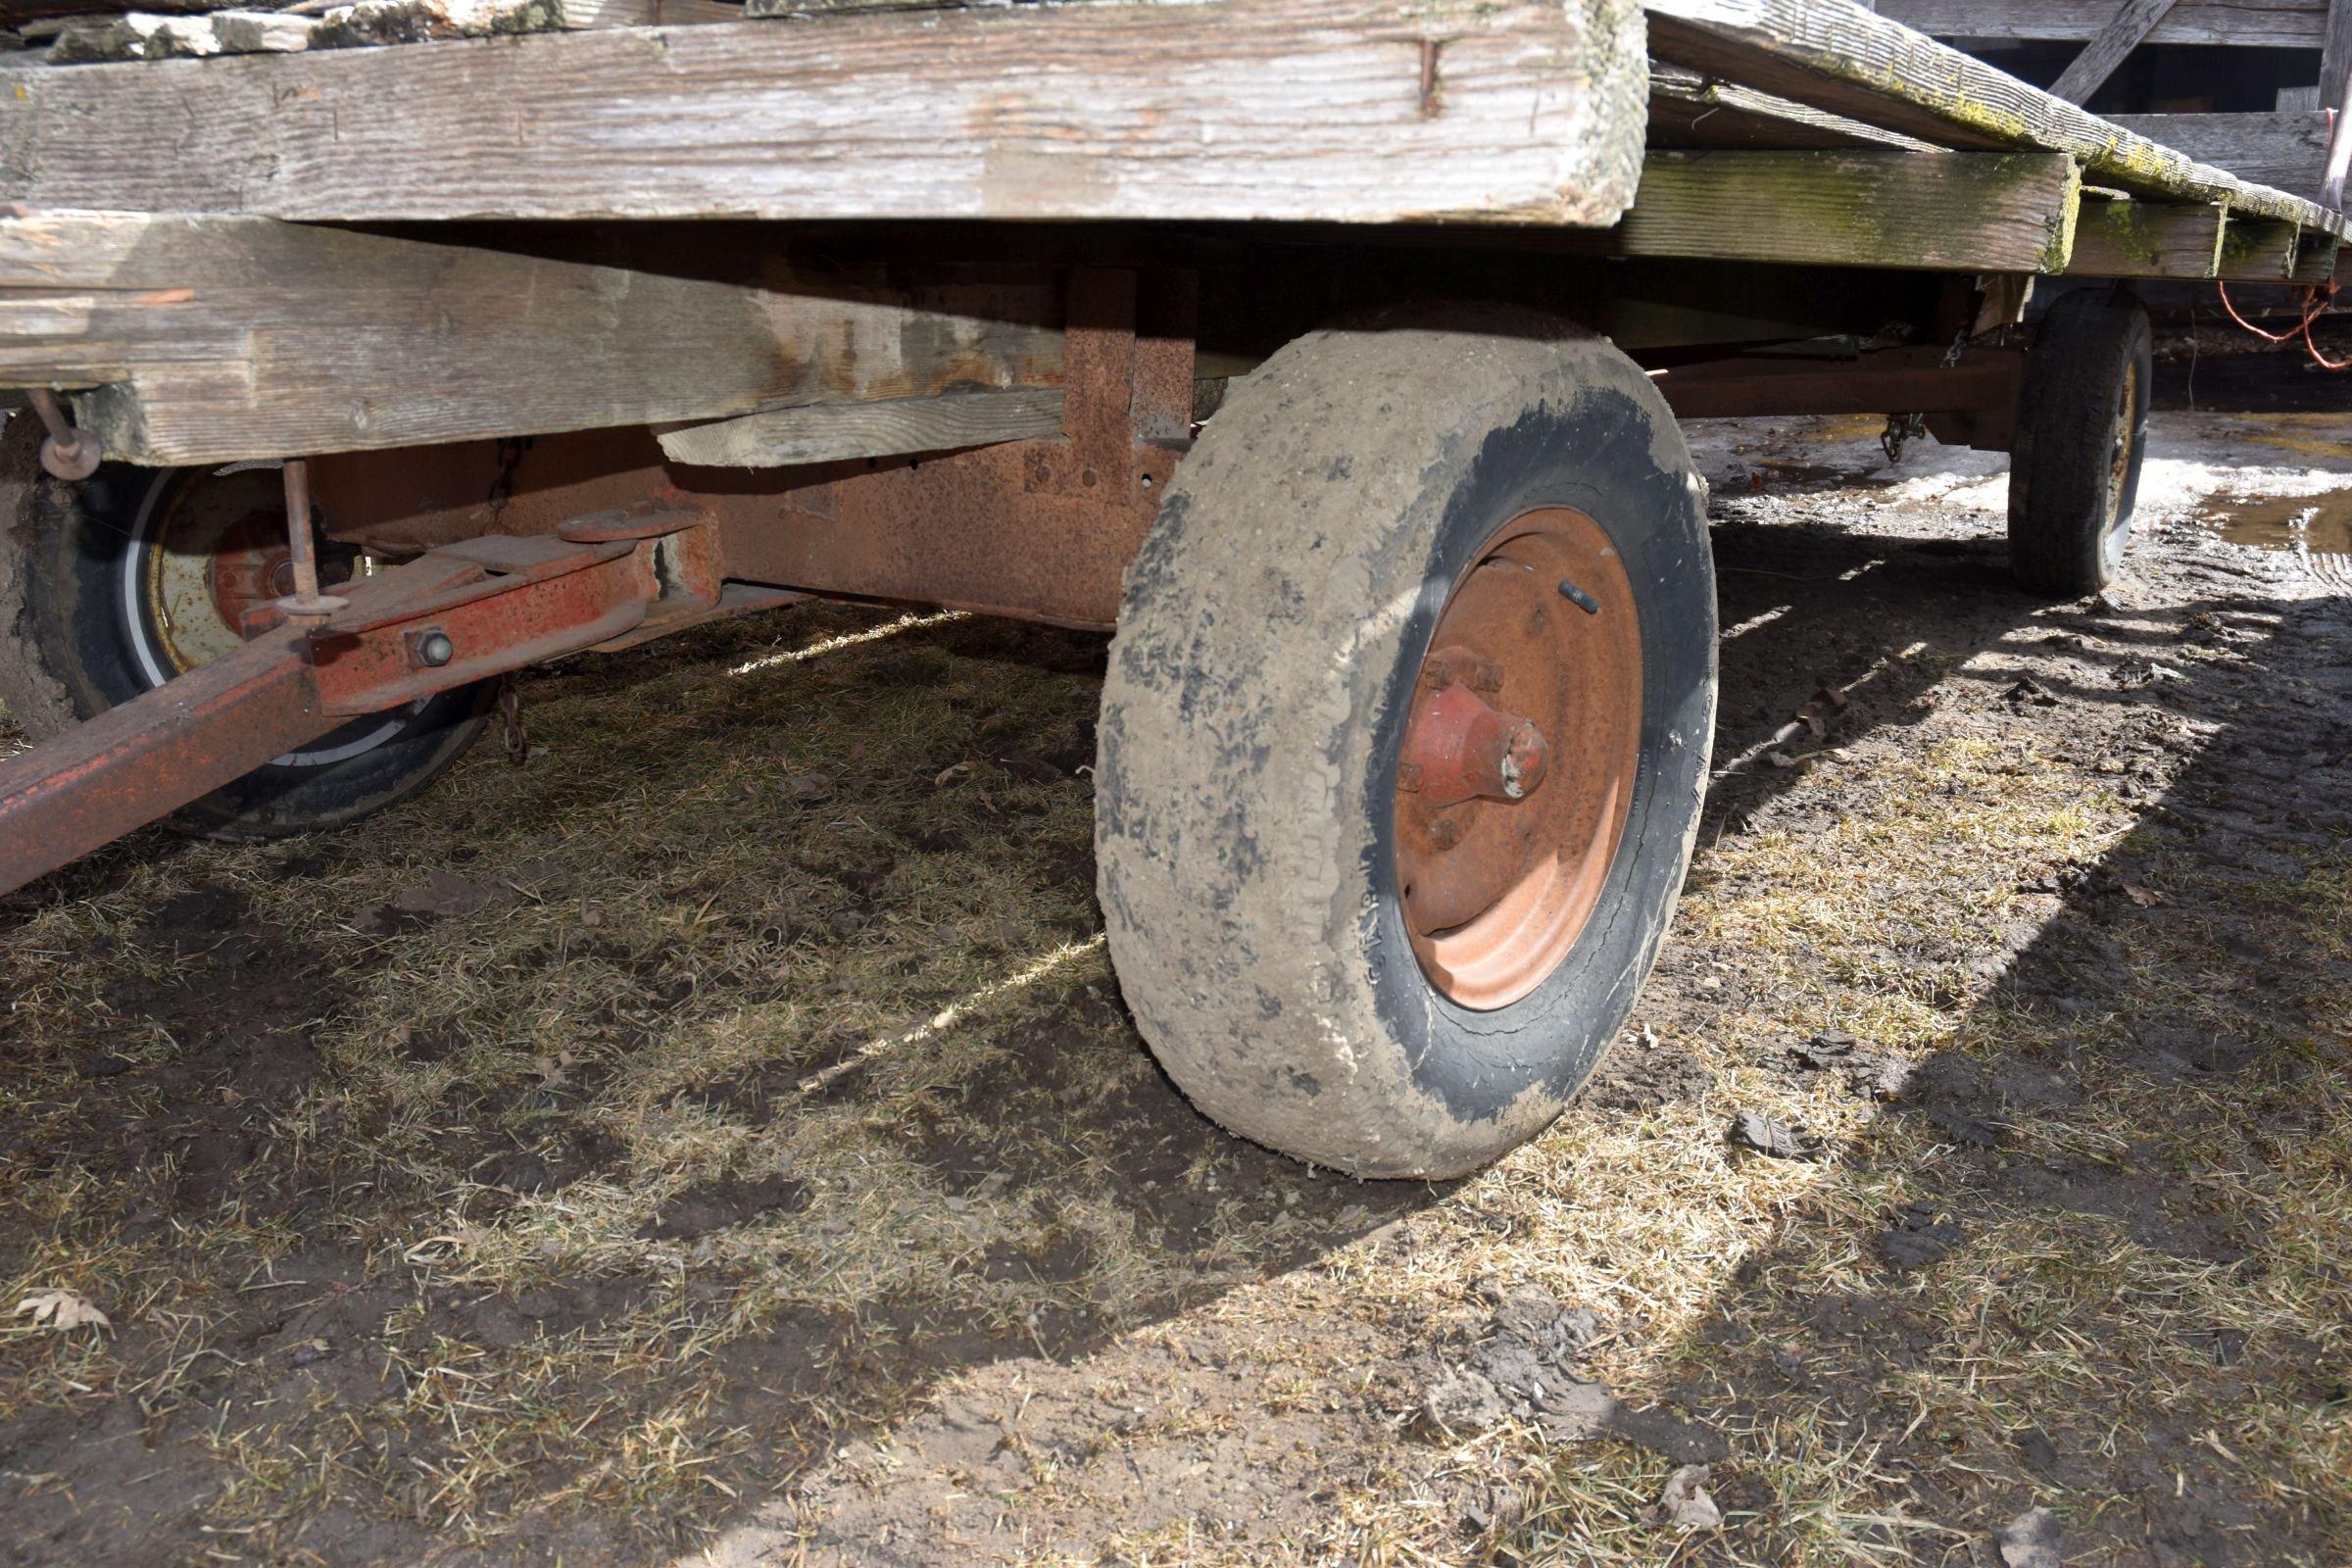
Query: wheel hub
x=1519 y=757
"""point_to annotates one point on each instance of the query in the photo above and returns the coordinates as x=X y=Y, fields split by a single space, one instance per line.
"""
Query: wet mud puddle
x=2318 y=528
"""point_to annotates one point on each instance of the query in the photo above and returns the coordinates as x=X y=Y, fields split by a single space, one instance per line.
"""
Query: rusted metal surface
x=306 y=602
x=142 y=760
x=1460 y=748
x=1981 y=385
x=1038 y=531
x=1519 y=757
x=66 y=453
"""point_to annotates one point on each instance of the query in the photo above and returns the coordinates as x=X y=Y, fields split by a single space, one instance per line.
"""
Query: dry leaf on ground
x=62 y=1310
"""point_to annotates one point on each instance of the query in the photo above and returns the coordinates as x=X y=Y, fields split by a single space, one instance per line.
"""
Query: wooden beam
x=2257 y=250
x=1501 y=111
x=207 y=340
x=2288 y=151
x=1936 y=212
x=2148 y=239
x=2315 y=257
x=830 y=432
x=2089 y=71
x=2262 y=24
x=1834 y=55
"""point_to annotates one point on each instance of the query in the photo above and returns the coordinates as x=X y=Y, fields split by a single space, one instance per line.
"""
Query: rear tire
x=2082 y=436
x=1348 y=499
x=102 y=600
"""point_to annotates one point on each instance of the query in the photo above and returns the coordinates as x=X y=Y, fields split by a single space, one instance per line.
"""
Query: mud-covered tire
x=1269 y=651
x=2082 y=437
x=76 y=639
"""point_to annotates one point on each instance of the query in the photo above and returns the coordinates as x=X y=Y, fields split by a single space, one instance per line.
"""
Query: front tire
x=115 y=585
x=1402 y=487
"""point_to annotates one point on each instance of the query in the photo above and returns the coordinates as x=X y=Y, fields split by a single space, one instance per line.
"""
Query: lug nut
x=434 y=649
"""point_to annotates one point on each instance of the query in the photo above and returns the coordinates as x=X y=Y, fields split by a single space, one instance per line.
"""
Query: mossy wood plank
x=1837 y=56
x=2258 y=250
x=2288 y=151
x=1505 y=111
x=210 y=339
x=2148 y=239
x=1937 y=210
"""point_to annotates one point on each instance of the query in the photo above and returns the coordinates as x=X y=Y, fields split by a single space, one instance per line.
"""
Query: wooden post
x=2133 y=21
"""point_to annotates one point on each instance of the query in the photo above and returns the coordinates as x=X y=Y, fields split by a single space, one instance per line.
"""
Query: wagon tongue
x=453 y=616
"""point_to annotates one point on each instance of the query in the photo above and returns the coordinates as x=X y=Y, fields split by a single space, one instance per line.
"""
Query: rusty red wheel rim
x=1519 y=758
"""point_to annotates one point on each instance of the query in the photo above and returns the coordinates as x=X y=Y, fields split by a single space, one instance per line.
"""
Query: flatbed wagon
x=1328 y=352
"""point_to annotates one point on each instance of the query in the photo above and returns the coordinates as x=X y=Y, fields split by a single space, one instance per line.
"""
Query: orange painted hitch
x=452 y=617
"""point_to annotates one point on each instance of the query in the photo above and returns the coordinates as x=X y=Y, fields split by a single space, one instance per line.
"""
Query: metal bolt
x=1446 y=831
x=66 y=453
x=1579 y=598
x=306 y=602
x=434 y=649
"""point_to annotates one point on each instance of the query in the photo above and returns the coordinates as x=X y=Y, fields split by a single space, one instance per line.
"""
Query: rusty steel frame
x=1977 y=394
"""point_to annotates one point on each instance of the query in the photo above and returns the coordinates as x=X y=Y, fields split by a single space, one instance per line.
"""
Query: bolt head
x=434 y=649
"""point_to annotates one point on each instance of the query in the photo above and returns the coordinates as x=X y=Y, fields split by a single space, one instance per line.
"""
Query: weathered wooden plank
x=2315 y=257
x=212 y=339
x=1513 y=111
x=1933 y=211
x=2089 y=71
x=2257 y=250
x=829 y=432
x=1834 y=55
x=2286 y=150
x=2335 y=54
x=1690 y=110
x=140 y=35
x=2266 y=23
x=2148 y=239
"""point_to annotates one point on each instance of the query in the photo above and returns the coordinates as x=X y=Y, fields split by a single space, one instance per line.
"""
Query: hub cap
x=1519 y=757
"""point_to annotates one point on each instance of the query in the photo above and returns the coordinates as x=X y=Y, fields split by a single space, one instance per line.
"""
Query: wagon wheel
x=1405 y=735
x=111 y=586
x=2082 y=436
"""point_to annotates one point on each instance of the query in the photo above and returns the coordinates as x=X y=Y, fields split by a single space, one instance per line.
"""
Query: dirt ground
x=720 y=1139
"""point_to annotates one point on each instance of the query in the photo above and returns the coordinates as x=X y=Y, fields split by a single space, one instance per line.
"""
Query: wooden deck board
x=1499 y=111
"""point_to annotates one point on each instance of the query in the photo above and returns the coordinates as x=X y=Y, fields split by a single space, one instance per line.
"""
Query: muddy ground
x=720 y=1138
